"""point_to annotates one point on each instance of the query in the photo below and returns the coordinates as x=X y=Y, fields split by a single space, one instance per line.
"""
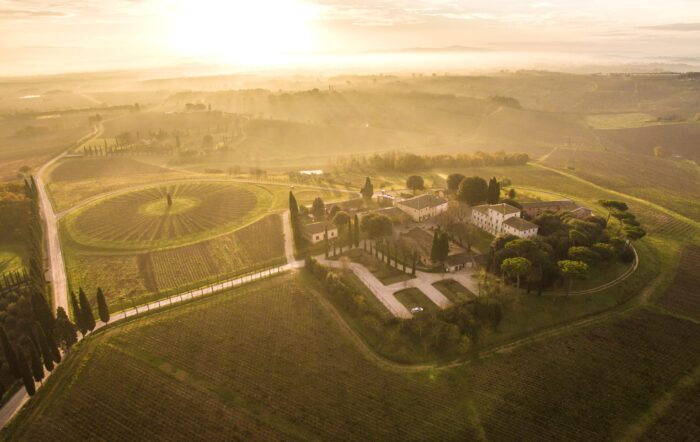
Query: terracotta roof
x=520 y=224
x=503 y=208
x=319 y=227
x=423 y=201
x=457 y=259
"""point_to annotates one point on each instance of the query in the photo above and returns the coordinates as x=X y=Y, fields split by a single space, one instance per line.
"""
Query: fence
x=201 y=291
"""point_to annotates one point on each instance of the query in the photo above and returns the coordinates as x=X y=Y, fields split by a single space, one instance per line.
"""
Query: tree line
x=408 y=162
x=31 y=336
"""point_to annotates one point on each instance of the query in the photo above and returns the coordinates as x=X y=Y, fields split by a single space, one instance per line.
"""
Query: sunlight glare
x=245 y=32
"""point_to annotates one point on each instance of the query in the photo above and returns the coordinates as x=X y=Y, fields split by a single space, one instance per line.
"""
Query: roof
x=520 y=224
x=319 y=227
x=457 y=259
x=394 y=213
x=551 y=205
x=352 y=204
x=423 y=201
x=503 y=208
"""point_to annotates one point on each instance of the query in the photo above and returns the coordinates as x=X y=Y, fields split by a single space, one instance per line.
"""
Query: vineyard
x=683 y=296
x=126 y=278
x=269 y=364
x=75 y=169
x=144 y=217
x=588 y=385
x=675 y=185
x=272 y=364
x=680 y=422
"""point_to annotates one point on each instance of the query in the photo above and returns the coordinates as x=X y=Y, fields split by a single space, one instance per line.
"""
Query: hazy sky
x=69 y=35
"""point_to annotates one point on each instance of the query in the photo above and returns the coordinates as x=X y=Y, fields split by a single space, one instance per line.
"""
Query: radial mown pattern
x=147 y=215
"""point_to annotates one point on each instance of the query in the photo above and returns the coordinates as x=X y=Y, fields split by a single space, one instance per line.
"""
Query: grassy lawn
x=133 y=278
x=413 y=297
x=381 y=270
x=454 y=291
x=481 y=240
x=272 y=363
x=11 y=257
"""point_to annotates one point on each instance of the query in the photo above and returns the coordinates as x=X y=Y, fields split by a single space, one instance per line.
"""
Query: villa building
x=423 y=207
x=316 y=232
x=502 y=218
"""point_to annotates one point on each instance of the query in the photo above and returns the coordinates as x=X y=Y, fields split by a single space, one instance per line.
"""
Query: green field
x=413 y=297
x=670 y=183
x=11 y=257
x=454 y=291
x=131 y=278
x=142 y=218
x=297 y=373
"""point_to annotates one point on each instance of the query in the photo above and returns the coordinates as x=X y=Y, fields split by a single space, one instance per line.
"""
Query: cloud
x=687 y=27
x=28 y=13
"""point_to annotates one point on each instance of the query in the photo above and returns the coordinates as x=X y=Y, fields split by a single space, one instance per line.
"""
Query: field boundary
x=648 y=203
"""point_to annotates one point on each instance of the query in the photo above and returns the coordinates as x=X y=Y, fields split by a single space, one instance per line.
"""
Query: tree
x=42 y=312
x=453 y=181
x=35 y=360
x=440 y=248
x=572 y=270
x=102 y=307
x=46 y=353
x=415 y=182
x=516 y=267
x=318 y=209
x=10 y=354
x=585 y=254
x=86 y=311
x=494 y=191
x=294 y=218
x=613 y=205
x=377 y=225
x=357 y=231
x=169 y=199
x=77 y=314
x=368 y=190
x=66 y=333
x=512 y=194
x=26 y=374
x=473 y=191
x=341 y=218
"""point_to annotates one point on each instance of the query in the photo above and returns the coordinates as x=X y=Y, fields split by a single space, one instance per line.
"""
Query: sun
x=246 y=32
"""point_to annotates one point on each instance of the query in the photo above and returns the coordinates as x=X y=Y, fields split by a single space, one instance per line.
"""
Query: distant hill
x=455 y=48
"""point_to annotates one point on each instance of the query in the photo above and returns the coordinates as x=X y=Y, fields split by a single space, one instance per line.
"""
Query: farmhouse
x=535 y=208
x=456 y=261
x=502 y=218
x=316 y=232
x=423 y=207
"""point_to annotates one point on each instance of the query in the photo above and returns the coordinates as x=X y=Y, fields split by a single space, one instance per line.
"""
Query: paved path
x=384 y=293
x=56 y=266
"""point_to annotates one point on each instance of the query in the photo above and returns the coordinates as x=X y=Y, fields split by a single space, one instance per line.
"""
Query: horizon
x=42 y=38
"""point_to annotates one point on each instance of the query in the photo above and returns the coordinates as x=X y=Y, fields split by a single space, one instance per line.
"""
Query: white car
x=416 y=309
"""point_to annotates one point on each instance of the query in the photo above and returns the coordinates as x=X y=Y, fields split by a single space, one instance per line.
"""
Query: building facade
x=316 y=232
x=502 y=218
x=423 y=207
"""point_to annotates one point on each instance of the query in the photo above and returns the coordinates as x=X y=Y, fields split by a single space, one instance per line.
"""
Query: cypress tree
x=46 y=353
x=102 y=306
x=53 y=348
x=357 y=231
x=42 y=312
x=77 y=314
x=66 y=333
x=86 y=311
x=37 y=369
x=26 y=374
x=10 y=355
